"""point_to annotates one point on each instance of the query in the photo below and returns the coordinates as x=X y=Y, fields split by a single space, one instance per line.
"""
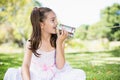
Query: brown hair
x=37 y=16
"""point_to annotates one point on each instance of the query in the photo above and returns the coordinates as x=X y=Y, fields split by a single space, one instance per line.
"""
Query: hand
x=61 y=36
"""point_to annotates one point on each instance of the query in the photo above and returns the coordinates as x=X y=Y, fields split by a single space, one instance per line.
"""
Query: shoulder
x=28 y=44
x=27 y=47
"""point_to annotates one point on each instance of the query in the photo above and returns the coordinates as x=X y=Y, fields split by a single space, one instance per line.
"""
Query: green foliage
x=97 y=31
x=6 y=33
x=16 y=14
x=22 y=28
x=75 y=44
x=36 y=3
x=116 y=36
x=81 y=32
x=103 y=28
x=109 y=17
x=9 y=9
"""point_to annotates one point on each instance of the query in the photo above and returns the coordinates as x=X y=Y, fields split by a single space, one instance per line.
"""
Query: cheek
x=47 y=28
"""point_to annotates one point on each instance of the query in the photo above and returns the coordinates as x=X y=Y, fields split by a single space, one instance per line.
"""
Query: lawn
x=97 y=65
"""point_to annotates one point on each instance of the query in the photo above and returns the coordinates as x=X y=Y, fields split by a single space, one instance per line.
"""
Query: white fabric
x=44 y=68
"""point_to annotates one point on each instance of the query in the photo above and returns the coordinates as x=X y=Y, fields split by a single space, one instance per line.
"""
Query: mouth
x=54 y=27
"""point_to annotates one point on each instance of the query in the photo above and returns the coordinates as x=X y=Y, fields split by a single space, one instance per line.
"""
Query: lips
x=54 y=27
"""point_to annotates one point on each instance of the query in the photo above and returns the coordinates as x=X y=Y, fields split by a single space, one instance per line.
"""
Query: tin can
x=69 y=29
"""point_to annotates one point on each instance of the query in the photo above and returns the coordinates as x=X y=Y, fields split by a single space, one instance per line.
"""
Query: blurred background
x=95 y=47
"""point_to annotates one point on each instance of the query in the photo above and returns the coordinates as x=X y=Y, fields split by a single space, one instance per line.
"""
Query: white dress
x=44 y=68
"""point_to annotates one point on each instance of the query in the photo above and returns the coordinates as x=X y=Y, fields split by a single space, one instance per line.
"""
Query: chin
x=54 y=33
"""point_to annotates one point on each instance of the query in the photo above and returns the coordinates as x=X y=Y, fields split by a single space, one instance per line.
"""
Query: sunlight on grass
x=97 y=65
x=10 y=49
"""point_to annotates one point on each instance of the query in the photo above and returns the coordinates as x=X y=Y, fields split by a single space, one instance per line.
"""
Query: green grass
x=9 y=60
x=97 y=65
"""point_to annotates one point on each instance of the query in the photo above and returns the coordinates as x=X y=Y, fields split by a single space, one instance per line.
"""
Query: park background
x=95 y=47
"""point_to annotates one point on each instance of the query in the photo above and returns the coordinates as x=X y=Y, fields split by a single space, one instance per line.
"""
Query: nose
x=56 y=22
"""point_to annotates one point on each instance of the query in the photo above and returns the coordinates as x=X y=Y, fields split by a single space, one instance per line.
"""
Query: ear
x=41 y=25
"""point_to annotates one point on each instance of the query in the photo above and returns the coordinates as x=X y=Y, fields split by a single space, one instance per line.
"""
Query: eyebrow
x=53 y=17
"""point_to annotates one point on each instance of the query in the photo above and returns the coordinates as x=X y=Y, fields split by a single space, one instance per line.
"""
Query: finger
x=66 y=33
x=62 y=32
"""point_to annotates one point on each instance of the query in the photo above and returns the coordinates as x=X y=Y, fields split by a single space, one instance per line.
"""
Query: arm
x=60 y=58
x=26 y=62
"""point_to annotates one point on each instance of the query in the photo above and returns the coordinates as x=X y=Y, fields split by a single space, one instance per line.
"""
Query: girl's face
x=50 y=23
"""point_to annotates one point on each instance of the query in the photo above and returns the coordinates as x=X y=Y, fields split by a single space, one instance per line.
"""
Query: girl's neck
x=45 y=37
x=45 y=40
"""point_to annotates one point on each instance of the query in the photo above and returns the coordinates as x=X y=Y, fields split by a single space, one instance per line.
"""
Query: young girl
x=44 y=53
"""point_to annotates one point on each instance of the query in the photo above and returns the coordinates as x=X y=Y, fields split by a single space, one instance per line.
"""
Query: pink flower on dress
x=45 y=67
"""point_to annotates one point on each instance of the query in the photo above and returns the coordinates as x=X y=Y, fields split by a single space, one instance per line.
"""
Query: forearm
x=60 y=58
x=25 y=73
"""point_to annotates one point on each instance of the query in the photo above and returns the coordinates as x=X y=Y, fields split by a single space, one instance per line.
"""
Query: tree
x=16 y=13
x=109 y=17
x=97 y=31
